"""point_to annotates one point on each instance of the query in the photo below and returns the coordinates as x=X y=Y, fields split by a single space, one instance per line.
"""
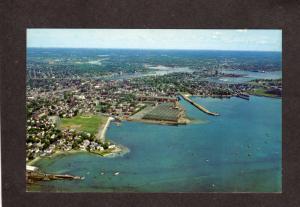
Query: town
x=50 y=100
x=73 y=95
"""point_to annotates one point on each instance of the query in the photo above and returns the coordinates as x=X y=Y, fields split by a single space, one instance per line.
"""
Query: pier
x=104 y=129
x=185 y=97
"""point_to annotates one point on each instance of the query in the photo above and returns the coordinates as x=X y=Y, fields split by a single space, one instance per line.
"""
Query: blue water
x=238 y=151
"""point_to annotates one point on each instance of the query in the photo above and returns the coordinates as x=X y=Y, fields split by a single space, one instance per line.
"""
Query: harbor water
x=238 y=151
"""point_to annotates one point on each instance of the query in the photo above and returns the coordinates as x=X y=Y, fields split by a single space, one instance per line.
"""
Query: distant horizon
x=158 y=39
x=90 y=48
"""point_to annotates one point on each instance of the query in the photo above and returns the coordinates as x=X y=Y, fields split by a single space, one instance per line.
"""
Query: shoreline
x=119 y=150
x=183 y=121
x=212 y=96
x=231 y=96
x=56 y=153
x=266 y=96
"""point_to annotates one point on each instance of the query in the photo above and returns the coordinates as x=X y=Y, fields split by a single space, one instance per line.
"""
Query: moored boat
x=243 y=96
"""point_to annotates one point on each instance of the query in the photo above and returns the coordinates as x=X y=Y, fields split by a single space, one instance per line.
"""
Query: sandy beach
x=103 y=129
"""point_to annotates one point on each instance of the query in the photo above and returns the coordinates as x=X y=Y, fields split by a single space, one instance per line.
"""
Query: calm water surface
x=239 y=151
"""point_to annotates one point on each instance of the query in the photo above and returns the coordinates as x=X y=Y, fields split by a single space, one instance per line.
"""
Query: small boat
x=117 y=173
x=243 y=96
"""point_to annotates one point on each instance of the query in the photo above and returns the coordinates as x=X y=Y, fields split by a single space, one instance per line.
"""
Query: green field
x=262 y=92
x=88 y=124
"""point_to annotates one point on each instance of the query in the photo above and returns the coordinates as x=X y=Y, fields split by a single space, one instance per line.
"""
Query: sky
x=192 y=39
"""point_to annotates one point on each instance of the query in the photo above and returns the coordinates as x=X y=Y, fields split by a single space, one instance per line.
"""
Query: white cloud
x=236 y=39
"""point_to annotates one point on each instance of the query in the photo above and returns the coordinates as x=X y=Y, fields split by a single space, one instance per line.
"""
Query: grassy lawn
x=83 y=123
x=262 y=92
x=103 y=153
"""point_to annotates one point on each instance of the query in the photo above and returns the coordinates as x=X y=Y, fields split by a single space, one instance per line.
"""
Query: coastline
x=119 y=150
x=230 y=96
x=56 y=153
x=211 y=96
x=267 y=96
x=182 y=121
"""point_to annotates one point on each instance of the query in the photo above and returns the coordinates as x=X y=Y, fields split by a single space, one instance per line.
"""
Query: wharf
x=185 y=97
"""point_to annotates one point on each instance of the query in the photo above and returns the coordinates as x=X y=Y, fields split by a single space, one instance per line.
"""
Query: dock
x=198 y=106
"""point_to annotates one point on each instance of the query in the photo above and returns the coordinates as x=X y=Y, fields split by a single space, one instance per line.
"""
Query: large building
x=157 y=98
x=164 y=112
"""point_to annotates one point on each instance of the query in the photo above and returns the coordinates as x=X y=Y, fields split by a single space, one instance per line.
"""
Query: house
x=111 y=146
x=30 y=168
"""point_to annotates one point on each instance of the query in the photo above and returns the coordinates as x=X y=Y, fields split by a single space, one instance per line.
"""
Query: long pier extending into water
x=104 y=129
x=185 y=97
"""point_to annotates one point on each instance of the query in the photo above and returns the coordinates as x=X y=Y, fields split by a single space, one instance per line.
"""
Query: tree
x=92 y=137
x=84 y=135
x=46 y=144
x=58 y=133
x=30 y=157
x=105 y=145
x=76 y=112
x=30 y=139
x=75 y=145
